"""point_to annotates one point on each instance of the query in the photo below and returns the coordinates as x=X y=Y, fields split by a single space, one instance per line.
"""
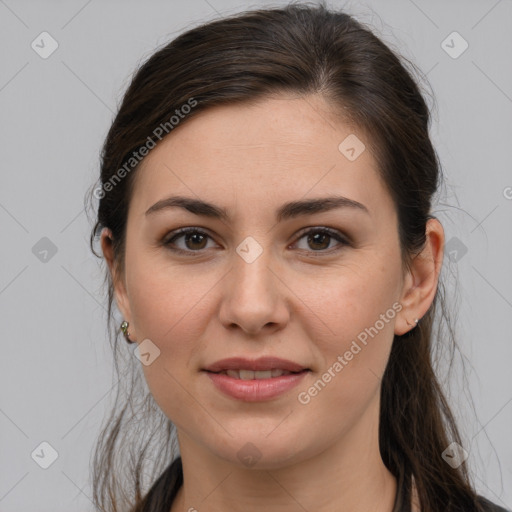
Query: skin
x=291 y=302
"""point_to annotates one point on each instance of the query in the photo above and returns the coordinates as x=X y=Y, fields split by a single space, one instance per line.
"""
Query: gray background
x=56 y=367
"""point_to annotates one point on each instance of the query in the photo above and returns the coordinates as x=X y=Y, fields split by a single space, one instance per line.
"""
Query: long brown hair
x=301 y=49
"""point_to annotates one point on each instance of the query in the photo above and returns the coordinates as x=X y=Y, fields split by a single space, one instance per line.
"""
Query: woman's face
x=255 y=284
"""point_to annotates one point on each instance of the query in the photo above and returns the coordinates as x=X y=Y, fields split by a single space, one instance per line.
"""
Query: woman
x=265 y=214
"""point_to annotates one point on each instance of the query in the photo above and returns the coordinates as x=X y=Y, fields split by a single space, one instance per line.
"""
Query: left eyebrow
x=311 y=206
x=287 y=211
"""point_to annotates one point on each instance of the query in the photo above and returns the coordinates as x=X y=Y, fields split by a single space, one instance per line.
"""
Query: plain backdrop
x=56 y=367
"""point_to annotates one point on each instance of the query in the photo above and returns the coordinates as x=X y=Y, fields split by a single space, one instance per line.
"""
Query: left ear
x=420 y=283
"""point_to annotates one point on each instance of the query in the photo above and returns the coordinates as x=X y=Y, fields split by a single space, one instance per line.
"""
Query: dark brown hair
x=299 y=49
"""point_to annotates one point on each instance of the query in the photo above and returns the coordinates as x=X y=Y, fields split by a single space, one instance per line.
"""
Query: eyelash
x=323 y=230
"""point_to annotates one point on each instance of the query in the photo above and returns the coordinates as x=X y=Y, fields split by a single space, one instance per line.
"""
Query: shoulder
x=489 y=506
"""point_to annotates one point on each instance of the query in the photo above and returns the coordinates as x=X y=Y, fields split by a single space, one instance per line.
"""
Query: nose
x=254 y=296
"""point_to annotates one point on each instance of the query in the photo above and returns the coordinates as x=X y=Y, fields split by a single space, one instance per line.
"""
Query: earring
x=124 y=328
x=416 y=322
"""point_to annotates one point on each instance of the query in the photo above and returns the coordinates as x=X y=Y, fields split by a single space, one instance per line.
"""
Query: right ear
x=121 y=296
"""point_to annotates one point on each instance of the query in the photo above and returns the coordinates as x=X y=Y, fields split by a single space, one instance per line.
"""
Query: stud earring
x=124 y=328
x=415 y=322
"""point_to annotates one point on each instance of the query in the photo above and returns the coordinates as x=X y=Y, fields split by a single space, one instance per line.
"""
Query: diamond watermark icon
x=44 y=249
x=454 y=45
x=454 y=455
x=249 y=454
x=146 y=352
x=351 y=147
x=44 y=455
x=455 y=249
x=249 y=249
x=44 y=45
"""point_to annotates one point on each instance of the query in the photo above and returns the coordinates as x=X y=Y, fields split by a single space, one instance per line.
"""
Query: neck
x=348 y=476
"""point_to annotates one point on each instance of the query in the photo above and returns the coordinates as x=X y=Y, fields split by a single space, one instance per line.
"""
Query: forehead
x=274 y=148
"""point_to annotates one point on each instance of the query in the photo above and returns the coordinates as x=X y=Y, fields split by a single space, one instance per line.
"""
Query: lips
x=257 y=389
x=255 y=380
x=246 y=369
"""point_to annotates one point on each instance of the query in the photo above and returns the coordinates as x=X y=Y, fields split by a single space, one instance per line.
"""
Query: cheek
x=165 y=297
x=352 y=318
x=168 y=309
x=350 y=300
x=353 y=360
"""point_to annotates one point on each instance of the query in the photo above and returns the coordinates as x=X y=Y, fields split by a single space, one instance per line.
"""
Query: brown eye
x=197 y=240
x=319 y=240
x=194 y=240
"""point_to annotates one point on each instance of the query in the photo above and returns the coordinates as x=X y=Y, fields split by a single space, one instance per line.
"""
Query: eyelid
x=177 y=233
x=339 y=236
x=323 y=229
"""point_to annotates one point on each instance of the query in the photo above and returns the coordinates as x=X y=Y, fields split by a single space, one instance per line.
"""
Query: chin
x=257 y=450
